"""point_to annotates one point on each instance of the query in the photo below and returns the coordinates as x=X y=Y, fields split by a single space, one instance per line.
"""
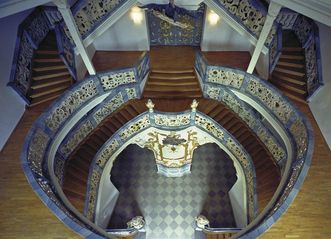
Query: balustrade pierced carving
x=213 y=92
x=70 y=104
x=38 y=28
x=135 y=128
x=209 y=126
x=300 y=136
x=24 y=65
x=93 y=186
x=112 y=80
x=273 y=101
x=311 y=67
x=109 y=107
x=172 y=120
x=76 y=138
x=93 y=13
x=131 y=93
x=107 y=153
x=277 y=152
x=59 y=169
x=224 y=77
x=251 y=17
x=36 y=151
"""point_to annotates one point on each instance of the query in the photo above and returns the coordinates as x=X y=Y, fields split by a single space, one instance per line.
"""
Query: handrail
x=42 y=169
x=266 y=99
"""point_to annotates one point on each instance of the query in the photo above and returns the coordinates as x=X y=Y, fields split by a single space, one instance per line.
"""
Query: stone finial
x=194 y=105
x=150 y=105
x=202 y=221
x=136 y=223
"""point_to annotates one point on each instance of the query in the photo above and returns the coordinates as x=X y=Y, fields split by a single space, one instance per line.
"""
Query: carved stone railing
x=292 y=126
x=251 y=15
x=42 y=158
x=307 y=32
x=150 y=120
x=65 y=49
x=30 y=33
x=215 y=75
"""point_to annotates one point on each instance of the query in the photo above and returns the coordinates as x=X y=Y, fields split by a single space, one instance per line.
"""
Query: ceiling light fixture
x=136 y=15
x=213 y=18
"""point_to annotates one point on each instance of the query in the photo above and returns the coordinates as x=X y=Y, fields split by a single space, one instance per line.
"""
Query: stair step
x=171 y=88
x=276 y=77
x=49 y=91
x=172 y=95
x=288 y=87
x=51 y=75
x=292 y=49
x=291 y=57
x=290 y=64
x=172 y=71
x=168 y=78
x=49 y=68
x=46 y=60
x=295 y=98
x=290 y=72
x=47 y=52
x=172 y=83
x=46 y=98
x=42 y=84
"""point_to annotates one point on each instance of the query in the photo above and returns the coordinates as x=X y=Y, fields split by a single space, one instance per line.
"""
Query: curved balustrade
x=51 y=128
x=149 y=121
x=282 y=115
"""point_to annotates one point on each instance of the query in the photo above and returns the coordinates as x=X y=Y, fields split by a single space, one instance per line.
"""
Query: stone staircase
x=289 y=73
x=172 y=83
x=267 y=173
x=77 y=168
x=50 y=76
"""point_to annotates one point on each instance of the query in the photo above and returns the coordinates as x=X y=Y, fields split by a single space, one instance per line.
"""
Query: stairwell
x=172 y=83
x=79 y=162
x=50 y=76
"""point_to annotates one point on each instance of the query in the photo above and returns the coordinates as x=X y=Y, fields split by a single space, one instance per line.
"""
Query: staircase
x=172 y=83
x=267 y=173
x=289 y=73
x=50 y=77
x=222 y=235
x=77 y=168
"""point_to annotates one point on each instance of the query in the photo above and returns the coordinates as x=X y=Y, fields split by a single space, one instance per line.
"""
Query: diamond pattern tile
x=169 y=205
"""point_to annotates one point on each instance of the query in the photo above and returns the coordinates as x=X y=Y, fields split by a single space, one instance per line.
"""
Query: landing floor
x=169 y=205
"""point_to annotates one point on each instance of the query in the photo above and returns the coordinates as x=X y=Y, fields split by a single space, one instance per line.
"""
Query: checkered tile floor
x=169 y=205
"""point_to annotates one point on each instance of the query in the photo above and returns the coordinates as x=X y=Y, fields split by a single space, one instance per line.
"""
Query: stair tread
x=44 y=60
x=171 y=71
x=292 y=57
x=43 y=84
x=49 y=68
x=172 y=83
x=51 y=75
x=46 y=92
x=288 y=87
x=291 y=64
x=51 y=52
x=276 y=77
x=290 y=72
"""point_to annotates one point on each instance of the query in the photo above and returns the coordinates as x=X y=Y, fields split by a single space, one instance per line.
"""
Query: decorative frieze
x=108 y=108
x=76 y=138
x=248 y=15
x=23 y=70
x=213 y=92
x=75 y=99
x=37 y=147
x=225 y=77
x=299 y=132
x=93 y=186
x=107 y=153
x=273 y=101
x=112 y=80
x=172 y=120
x=131 y=93
x=93 y=13
x=209 y=126
x=135 y=128
x=274 y=148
